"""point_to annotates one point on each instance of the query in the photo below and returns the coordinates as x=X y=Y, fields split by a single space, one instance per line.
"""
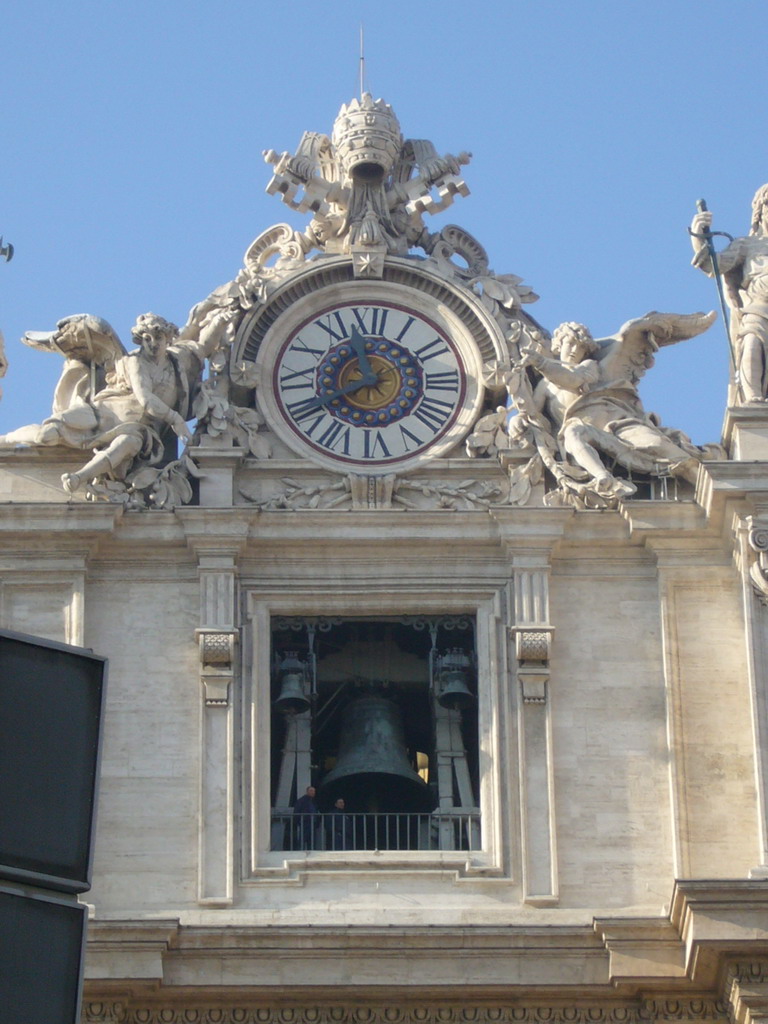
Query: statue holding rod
x=744 y=268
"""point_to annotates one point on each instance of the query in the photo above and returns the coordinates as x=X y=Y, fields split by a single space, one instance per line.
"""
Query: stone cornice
x=707 y=960
x=55 y=530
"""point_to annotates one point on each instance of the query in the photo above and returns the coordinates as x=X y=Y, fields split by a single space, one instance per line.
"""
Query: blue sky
x=132 y=176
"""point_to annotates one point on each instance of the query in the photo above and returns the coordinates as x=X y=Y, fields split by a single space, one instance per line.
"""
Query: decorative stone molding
x=356 y=491
x=750 y=972
x=456 y=1013
x=746 y=992
x=101 y=1012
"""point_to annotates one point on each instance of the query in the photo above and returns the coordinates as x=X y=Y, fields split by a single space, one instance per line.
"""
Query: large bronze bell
x=293 y=696
x=372 y=771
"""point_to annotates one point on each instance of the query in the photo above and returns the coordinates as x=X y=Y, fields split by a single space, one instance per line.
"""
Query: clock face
x=369 y=385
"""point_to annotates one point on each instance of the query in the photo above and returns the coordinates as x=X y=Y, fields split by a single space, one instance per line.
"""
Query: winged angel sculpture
x=121 y=405
x=583 y=417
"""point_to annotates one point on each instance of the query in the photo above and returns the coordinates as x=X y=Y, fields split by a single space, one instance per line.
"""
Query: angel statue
x=586 y=407
x=744 y=266
x=119 y=404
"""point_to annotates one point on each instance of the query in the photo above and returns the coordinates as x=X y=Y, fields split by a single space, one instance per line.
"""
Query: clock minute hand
x=357 y=344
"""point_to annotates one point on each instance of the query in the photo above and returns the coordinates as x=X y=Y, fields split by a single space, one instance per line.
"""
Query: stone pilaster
x=752 y=555
x=530 y=631
x=532 y=635
x=217 y=637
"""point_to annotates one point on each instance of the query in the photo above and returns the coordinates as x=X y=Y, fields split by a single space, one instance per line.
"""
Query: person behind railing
x=306 y=821
x=338 y=828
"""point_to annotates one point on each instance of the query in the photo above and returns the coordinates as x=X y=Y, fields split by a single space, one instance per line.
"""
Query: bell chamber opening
x=374 y=734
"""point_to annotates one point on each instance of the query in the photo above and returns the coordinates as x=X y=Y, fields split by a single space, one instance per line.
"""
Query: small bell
x=292 y=697
x=454 y=676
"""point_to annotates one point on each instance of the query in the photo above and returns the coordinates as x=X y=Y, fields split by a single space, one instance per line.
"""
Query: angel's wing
x=630 y=352
x=84 y=337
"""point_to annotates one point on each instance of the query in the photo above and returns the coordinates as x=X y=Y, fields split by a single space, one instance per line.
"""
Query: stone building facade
x=421 y=554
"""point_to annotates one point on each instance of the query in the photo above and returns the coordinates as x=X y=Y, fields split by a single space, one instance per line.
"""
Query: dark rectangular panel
x=51 y=698
x=41 y=953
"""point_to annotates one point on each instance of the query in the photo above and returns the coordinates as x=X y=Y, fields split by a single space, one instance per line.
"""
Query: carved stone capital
x=217 y=647
x=533 y=644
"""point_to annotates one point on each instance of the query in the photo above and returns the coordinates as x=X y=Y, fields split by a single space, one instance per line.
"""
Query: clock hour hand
x=357 y=344
x=368 y=380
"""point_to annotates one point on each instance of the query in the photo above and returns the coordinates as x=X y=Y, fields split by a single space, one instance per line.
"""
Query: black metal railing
x=455 y=830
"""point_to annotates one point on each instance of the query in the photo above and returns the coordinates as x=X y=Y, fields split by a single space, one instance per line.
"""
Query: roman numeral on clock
x=304 y=409
x=337 y=332
x=301 y=346
x=374 y=445
x=372 y=320
x=303 y=378
x=446 y=381
x=335 y=437
x=433 y=412
x=432 y=349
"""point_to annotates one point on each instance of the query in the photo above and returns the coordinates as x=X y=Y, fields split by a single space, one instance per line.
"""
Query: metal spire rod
x=709 y=237
x=362 y=62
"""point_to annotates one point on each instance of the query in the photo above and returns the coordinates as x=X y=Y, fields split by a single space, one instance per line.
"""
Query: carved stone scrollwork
x=758 y=569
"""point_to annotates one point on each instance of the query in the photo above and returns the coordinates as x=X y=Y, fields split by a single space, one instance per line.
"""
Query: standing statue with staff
x=743 y=265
